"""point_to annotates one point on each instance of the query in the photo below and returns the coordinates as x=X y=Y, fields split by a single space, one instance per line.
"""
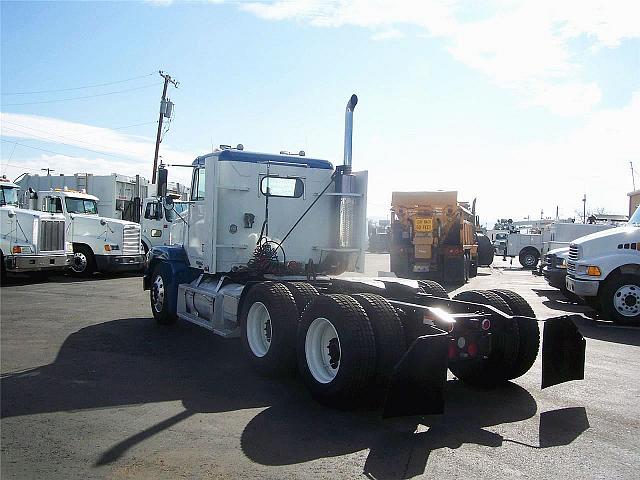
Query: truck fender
x=173 y=262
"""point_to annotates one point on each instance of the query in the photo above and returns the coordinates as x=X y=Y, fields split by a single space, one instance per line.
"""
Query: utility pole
x=167 y=80
x=584 y=208
x=48 y=170
x=633 y=177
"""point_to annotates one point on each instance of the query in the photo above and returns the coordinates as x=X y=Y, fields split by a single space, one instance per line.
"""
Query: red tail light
x=453 y=351
x=472 y=349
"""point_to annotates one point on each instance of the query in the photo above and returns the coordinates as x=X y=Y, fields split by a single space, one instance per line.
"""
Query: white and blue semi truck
x=266 y=236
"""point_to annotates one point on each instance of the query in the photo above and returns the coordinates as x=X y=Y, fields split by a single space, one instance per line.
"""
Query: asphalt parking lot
x=91 y=387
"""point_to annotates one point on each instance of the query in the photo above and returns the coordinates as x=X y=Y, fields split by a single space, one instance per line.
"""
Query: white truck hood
x=597 y=243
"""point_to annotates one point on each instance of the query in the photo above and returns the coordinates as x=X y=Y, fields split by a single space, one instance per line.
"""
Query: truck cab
x=161 y=225
x=604 y=269
x=30 y=241
x=99 y=243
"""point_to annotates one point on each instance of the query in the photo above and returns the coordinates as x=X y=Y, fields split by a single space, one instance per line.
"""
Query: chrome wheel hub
x=157 y=294
x=626 y=300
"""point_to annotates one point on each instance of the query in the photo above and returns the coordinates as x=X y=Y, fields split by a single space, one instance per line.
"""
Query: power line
x=81 y=98
x=76 y=146
x=63 y=137
x=79 y=88
x=37 y=148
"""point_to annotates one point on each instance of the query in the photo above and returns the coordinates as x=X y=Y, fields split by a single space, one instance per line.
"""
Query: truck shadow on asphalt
x=133 y=361
x=593 y=325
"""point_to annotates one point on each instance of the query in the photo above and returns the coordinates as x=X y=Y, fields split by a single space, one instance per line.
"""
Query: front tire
x=83 y=263
x=336 y=351
x=620 y=299
x=268 y=327
x=158 y=297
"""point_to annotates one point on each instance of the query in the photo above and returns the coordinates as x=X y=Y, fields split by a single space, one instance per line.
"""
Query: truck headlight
x=590 y=270
x=561 y=263
x=110 y=247
x=68 y=247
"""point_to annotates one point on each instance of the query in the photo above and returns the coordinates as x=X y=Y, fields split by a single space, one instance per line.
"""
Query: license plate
x=421 y=268
x=423 y=224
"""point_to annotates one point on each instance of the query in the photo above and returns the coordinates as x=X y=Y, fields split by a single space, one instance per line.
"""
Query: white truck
x=30 y=241
x=161 y=225
x=530 y=247
x=604 y=269
x=119 y=196
x=264 y=238
x=99 y=243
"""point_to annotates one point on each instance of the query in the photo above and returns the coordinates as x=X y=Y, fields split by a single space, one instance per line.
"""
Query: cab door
x=199 y=237
x=153 y=227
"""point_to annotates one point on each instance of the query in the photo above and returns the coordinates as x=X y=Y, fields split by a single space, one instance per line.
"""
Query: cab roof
x=233 y=155
x=71 y=194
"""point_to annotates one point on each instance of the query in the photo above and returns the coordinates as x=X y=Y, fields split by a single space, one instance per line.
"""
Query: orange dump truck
x=433 y=237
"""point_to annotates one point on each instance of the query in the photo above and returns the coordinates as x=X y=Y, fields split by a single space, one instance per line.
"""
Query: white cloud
x=516 y=180
x=97 y=149
x=390 y=34
x=520 y=45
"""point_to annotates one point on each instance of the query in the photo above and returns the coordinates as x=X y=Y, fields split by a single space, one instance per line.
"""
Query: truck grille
x=571 y=267
x=51 y=235
x=574 y=252
x=131 y=240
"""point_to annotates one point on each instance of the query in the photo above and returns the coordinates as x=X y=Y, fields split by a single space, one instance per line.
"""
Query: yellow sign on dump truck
x=433 y=236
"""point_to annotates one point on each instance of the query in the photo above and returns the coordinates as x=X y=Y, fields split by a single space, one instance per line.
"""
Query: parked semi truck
x=30 y=241
x=433 y=237
x=264 y=239
x=604 y=269
x=99 y=243
x=119 y=196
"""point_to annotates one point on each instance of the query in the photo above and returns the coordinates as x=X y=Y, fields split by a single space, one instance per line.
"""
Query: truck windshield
x=178 y=209
x=8 y=196
x=81 y=205
x=635 y=218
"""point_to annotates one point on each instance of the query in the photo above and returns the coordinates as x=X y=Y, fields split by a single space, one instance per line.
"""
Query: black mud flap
x=418 y=382
x=563 y=350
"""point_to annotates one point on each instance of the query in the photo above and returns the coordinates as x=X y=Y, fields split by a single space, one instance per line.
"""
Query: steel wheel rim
x=79 y=263
x=626 y=300
x=529 y=260
x=157 y=294
x=323 y=351
x=259 y=330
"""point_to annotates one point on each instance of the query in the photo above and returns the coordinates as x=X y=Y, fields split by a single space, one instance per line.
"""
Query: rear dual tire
x=513 y=350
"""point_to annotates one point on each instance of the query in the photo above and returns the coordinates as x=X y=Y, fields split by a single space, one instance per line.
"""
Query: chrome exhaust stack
x=348 y=130
x=345 y=183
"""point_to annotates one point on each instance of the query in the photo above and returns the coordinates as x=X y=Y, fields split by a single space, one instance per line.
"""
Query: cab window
x=53 y=205
x=152 y=212
x=288 y=187
x=198 y=185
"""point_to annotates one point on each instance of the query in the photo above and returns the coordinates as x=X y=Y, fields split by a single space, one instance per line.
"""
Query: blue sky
x=525 y=106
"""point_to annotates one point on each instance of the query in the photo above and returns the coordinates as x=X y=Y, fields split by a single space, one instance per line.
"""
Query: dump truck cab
x=433 y=237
